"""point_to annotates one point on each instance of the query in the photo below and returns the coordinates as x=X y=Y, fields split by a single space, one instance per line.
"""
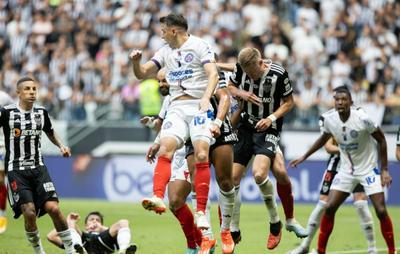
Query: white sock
x=124 y=238
x=208 y=232
x=367 y=224
x=226 y=202
x=236 y=210
x=66 y=238
x=2 y=213
x=76 y=238
x=313 y=223
x=34 y=239
x=267 y=192
x=194 y=201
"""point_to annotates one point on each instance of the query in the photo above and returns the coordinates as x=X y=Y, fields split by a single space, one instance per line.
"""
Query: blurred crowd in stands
x=78 y=50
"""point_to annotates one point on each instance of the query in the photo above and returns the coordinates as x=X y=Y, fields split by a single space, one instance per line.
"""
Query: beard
x=164 y=90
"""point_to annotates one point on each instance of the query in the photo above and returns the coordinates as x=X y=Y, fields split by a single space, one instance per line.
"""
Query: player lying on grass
x=97 y=238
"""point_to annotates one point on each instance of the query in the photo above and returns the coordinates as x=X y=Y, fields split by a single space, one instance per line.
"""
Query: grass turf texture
x=161 y=234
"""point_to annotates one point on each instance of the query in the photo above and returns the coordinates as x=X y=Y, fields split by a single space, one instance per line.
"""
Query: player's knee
x=282 y=177
x=175 y=202
x=225 y=184
x=53 y=211
x=381 y=212
x=123 y=223
x=259 y=177
x=201 y=156
x=29 y=214
x=330 y=210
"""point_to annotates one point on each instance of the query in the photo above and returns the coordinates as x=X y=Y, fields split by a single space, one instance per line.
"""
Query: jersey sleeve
x=206 y=53
x=236 y=76
x=164 y=108
x=323 y=125
x=284 y=83
x=158 y=58
x=222 y=80
x=2 y=117
x=367 y=121
x=47 y=126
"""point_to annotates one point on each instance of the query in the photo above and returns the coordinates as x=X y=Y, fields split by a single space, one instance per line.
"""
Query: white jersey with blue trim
x=358 y=149
x=184 y=67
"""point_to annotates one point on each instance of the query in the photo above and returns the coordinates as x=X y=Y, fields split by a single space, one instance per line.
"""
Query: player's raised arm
x=142 y=71
x=317 y=145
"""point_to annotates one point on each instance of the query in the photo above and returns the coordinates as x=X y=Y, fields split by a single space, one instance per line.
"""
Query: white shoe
x=293 y=226
x=313 y=251
x=201 y=220
x=155 y=204
x=299 y=250
x=373 y=251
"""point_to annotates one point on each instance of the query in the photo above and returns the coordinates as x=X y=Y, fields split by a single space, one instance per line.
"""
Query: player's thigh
x=335 y=200
x=278 y=168
x=238 y=171
x=45 y=189
x=243 y=149
x=175 y=126
x=371 y=182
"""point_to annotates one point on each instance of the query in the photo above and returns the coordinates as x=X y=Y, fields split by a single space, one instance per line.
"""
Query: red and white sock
x=186 y=219
x=387 y=232
x=286 y=196
x=162 y=174
x=325 y=231
x=202 y=185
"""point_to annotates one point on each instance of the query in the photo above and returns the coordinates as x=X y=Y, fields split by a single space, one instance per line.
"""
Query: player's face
x=164 y=86
x=167 y=33
x=27 y=91
x=342 y=102
x=93 y=223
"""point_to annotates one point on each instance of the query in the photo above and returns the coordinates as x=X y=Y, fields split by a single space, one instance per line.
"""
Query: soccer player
x=192 y=75
x=5 y=99
x=358 y=139
x=398 y=145
x=360 y=202
x=31 y=190
x=98 y=238
x=267 y=96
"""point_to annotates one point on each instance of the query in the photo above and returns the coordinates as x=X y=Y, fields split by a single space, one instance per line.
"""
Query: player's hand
x=151 y=153
x=204 y=104
x=296 y=162
x=251 y=97
x=263 y=124
x=65 y=151
x=135 y=55
x=147 y=121
x=386 y=179
x=215 y=130
x=73 y=217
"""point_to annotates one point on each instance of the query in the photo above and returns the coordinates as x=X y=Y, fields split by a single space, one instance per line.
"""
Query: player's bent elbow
x=123 y=223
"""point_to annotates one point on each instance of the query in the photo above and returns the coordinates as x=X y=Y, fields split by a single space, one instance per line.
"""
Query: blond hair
x=248 y=57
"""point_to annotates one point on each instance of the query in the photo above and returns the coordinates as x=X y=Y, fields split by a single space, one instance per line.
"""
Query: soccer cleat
x=299 y=250
x=3 y=224
x=273 y=240
x=314 y=251
x=228 y=245
x=201 y=220
x=236 y=236
x=373 y=251
x=131 y=249
x=207 y=246
x=294 y=226
x=79 y=249
x=155 y=204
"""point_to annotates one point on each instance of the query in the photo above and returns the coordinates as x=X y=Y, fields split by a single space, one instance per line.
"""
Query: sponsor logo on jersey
x=49 y=186
x=17 y=132
x=180 y=75
x=353 y=133
x=266 y=100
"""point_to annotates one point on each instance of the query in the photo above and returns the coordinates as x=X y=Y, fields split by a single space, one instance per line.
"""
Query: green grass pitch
x=161 y=234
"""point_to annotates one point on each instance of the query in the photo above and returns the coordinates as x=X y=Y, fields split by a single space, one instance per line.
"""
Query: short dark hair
x=97 y=213
x=342 y=89
x=24 y=79
x=174 y=19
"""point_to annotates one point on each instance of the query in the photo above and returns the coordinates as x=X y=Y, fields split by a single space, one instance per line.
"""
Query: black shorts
x=226 y=138
x=330 y=173
x=102 y=243
x=30 y=185
x=253 y=143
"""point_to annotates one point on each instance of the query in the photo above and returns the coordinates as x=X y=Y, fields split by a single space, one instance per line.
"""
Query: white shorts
x=185 y=120
x=180 y=170
x=1 y=162
x=346 y=182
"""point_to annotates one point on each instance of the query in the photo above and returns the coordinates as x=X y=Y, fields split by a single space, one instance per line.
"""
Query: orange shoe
x=273 y=240
x=228 y=245
x=155 y=204
x=207 y=246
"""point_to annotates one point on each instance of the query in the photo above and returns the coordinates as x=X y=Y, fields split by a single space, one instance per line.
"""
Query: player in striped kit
x=5 y=99
x=358 y=139
x=31 y=191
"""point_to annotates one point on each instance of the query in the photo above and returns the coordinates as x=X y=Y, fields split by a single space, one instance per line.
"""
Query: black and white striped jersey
x=22 y=133
x=271 y=88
